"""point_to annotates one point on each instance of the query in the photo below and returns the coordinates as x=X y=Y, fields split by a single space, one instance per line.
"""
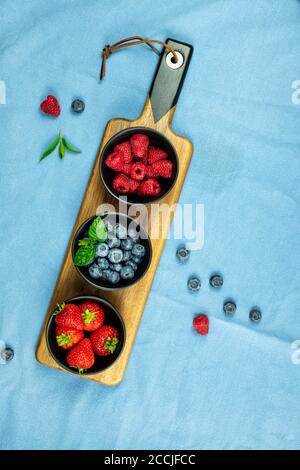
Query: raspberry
x=133 y=185
x=138 y=171
x=150 y=187
x=139 y=145
x=162 y=169
x=149 y=171
x=115 y=161
x=121 y=184
x=155 y=154
x=201 y=324
x=127 y=169
x=50 y=106
x=125 y=150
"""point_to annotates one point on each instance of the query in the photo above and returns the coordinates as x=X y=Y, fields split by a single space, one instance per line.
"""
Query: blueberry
x=113 y=277
x=108 y=225
x=132 y=264
x=127 y=244
x=183 y=254
x=103 y=263
x=115 y=255
x=7 y=354
x=132 y=233
x=95 y=271
x=105 y=274
x=120 y=231
x=255 y=315
x=229 y=307
x=194 y=284
x=127 y=255
x=78 y=106
x=102 y=250
x=113 y=242
x=216 y=281
x=127 y=272
x=136 y=259
x=116 y=267
x=138 y=250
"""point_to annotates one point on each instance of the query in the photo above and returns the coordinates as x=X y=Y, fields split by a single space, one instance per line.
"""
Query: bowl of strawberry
x=85 y=334
x=139 y=163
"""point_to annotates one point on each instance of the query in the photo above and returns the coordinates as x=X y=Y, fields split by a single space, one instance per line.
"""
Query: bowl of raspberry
x=85 y=334
x=111 y=251
x=139 y=165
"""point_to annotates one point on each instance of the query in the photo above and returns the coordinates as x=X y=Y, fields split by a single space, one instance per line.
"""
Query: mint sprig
x=97 y=233
x=63 y=147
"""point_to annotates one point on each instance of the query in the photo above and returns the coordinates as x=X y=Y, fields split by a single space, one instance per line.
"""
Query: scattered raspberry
x=121 y=184
x=124 y=149
x=162 y=169
x=50 y=106
x=150 y=187
x=155 y=154
x=201 y=324
x=138 y=171
x=139 y=145
x=115 y=161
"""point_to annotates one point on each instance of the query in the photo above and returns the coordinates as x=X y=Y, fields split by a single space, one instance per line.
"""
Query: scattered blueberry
x=183 y=254
x=95 y=271
x=229 y=307
x=127 y=255
x=136 y=259
x=194 y=284
x=113 y=242
x=127 y=272
x=216 y=281
x=115 y=255
x=138 y=250
x=120 y=231
x=7 y=354
x=102 y=250
x=103 y=263
x=78 y=106
x=113 y=277
x=132 y=264
x=127 y=244
x=255 y=315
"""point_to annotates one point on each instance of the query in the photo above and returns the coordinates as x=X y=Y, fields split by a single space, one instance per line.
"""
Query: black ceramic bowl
x=157 y=139
x=142 y=267
x=112 y=317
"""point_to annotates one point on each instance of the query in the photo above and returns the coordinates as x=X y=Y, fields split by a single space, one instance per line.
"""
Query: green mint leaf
x=70 y=147
x=98 y=231
x=84 y=255
x=50 y=149
x=62 y=150
x=85 y=242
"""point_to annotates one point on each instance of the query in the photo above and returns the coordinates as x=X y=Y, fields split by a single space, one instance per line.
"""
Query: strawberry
x=155 y=154
x=150 y=187
x=69 y=317
x=50 y=106
x=125 y=150
x=162 y=169
x=201 y=324
x=67 y=338
x=139 y=145
x=92 y=315
x=121 y=184
x=138 y=171
x=82 y=356
x=115 y=161
x=104 y=340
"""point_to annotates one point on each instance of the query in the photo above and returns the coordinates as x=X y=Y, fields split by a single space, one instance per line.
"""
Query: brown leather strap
x=131 y=41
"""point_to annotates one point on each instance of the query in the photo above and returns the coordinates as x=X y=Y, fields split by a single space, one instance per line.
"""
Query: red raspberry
x=50 y=106
x=124 y=149
x=149 y=172
x=121 y=184
x=133 y=185
x=150 y=187
x=155 y=154
x=138 y=171
x=115 y=161
x=139 y=145
x=127 y=169
x=162 y=169
x=201 y=324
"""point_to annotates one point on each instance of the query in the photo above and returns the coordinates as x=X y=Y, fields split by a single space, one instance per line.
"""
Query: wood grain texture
x=130 y=301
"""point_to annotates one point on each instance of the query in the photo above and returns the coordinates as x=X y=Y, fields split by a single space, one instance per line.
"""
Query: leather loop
x=131 y=41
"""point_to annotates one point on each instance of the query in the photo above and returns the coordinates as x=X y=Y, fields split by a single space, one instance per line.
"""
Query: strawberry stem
x=88 y=316
x=111 y=344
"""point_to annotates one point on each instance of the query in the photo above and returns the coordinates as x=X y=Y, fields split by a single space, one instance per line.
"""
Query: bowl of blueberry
x=111 y=251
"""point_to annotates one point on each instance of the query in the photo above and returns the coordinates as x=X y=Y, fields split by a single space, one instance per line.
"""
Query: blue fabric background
x=236 y=388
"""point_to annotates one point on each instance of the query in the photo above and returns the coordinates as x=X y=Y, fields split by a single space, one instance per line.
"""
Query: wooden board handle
x=169 y=78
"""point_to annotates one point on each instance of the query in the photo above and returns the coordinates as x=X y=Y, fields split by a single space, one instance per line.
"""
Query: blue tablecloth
x=238 y=387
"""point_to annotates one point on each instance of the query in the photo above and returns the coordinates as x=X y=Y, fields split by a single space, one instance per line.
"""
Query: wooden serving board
x=157 y=114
